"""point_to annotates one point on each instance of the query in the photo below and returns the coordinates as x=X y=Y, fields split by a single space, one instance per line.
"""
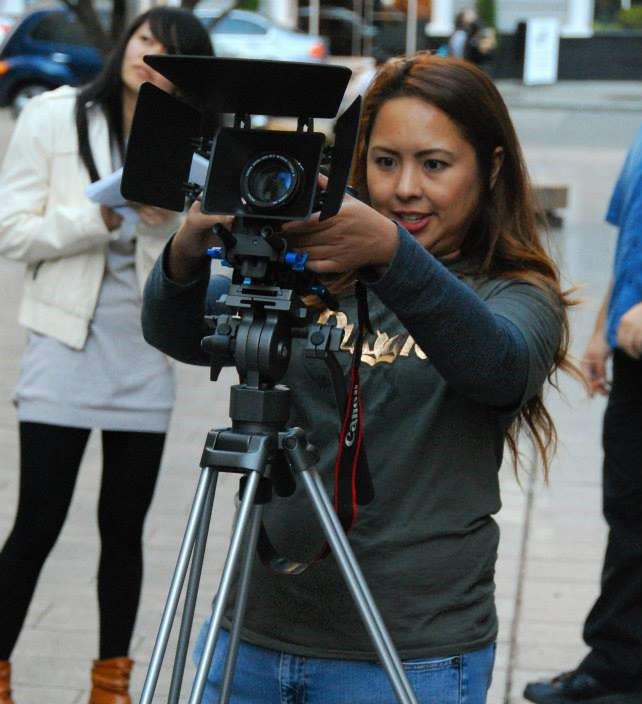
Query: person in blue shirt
x=612 y=670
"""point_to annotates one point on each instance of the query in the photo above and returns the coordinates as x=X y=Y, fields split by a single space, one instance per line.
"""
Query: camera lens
x=270 y=180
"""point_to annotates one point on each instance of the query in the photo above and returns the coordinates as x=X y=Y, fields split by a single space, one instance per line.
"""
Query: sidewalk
x=552 y=536
x=607 y=96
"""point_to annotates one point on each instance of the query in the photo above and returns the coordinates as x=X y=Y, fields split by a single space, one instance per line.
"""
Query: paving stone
x=51 y=695
x=538 y=632
x=557 y=601
x=566 y=571
x=498 y=686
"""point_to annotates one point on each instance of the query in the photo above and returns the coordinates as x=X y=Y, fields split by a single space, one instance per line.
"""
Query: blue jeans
x=271 y=677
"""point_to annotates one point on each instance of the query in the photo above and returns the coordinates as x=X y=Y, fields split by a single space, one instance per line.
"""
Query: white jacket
x=47 y=221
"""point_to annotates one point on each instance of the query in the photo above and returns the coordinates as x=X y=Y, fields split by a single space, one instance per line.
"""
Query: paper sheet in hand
x=106 y=191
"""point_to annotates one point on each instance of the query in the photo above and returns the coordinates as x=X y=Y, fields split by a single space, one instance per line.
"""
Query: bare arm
x=597 y=352
x=629 y=332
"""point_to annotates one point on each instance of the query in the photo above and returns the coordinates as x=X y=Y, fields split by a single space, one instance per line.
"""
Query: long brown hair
x=503 y=240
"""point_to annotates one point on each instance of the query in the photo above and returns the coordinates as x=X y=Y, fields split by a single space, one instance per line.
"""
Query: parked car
x=45 y=49
x=345 y=29
x=48 y=47
x=244 y=34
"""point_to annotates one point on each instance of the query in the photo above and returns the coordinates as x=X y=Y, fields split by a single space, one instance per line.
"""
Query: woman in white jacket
x=86 y=364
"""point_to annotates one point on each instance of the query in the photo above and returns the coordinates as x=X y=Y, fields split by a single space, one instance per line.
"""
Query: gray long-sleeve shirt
x=450 y=362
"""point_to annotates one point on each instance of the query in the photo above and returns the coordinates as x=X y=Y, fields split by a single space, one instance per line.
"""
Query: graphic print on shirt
x=378 y=347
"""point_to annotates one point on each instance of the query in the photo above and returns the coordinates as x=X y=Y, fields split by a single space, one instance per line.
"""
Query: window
x=61 y=28
x=228 y=25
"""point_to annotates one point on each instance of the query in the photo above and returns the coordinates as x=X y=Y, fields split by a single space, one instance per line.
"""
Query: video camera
x=179 y=147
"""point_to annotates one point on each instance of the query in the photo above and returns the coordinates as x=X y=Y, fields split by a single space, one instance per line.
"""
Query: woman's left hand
x=356 y=237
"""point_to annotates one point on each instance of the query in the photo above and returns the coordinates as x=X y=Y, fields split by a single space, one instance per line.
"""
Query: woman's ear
x=496 y=164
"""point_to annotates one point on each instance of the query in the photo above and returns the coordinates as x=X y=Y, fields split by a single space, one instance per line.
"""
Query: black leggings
x=50 y=457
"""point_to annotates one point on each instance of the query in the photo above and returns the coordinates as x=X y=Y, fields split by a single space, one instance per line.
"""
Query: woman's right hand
x=594 y=364
x=189 y=246
x=110 y=217
x=357 y=236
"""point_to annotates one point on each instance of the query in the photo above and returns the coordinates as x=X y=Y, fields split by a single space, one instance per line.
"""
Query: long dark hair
x=504 y=239
x=178 y=30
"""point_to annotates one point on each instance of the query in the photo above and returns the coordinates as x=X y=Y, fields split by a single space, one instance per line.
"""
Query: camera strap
x=352 y=481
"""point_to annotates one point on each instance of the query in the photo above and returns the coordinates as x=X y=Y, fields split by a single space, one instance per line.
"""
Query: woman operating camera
x=469 y=322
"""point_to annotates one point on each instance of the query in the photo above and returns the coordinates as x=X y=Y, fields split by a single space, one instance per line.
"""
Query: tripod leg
x=208 y=476
x=241 y=602
x=191 y=595
x=240 y=530
x=357 y=585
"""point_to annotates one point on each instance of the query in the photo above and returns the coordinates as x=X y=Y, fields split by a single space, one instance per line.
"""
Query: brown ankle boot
x=5 y=682
x=110 y=681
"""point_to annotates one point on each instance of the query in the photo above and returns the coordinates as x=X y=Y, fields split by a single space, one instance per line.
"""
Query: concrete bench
x=549 y=198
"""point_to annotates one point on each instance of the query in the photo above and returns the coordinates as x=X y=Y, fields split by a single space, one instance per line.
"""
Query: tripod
x=258 y=442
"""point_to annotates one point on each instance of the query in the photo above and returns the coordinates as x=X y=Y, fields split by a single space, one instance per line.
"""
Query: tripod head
x=258 y=336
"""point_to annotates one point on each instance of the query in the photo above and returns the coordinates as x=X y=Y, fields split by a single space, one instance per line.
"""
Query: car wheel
x=24 y=94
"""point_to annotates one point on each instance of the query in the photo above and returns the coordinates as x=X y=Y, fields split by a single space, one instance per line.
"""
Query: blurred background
x=47 y=45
